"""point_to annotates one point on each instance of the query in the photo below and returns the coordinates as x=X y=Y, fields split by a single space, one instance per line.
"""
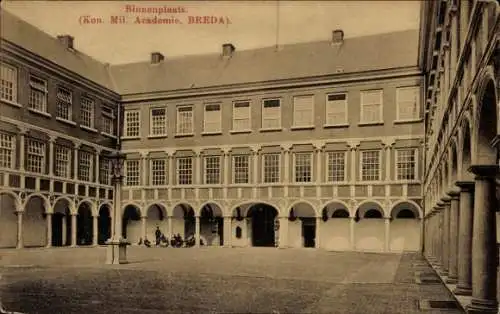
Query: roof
x=29 y=37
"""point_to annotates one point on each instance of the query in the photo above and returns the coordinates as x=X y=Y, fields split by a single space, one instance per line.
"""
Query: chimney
x=156 y=57
x=338 y=36
x=227 y=50
x=66 y=40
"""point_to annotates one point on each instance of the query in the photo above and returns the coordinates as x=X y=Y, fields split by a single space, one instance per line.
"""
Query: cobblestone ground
x=214 y=280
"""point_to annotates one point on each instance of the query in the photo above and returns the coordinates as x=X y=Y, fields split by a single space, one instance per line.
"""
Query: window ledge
x=184 y=134
x=86 y=128
x=305 y=127
x=108 y=135
x=157 y=135
x=130 y=137
x=12 y=103
x=270 y=129
x=65 y=121
x=335 y=183
x=212 y=133
x=370 y=123
x=408 y=121
x=240 y=131
x=340 y=125
x=45 y=114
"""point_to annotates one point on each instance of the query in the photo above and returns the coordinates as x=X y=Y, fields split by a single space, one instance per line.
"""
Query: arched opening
x=61 y=223
x=183 y=221
x=8 y=221
x=301 y=226
x=156 y=219
x=340 y=213
x=262 y=217
x=405 y=227
x=212 y=224
x=84 y=225
x=370 y=229
x=373 y=213
x=238 y=232
x=34 y=222
x=334 y=228
x=405 y=214
x=131 y=224
x=104 y=224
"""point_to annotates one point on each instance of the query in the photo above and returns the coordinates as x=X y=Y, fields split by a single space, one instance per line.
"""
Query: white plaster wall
x=245 y=239
x=369 y=235
x=405 y=235
x=177 y=226
x=8 y=222
x=334 y=234
x=34 y=226
x=295 y=239
x=134 y=231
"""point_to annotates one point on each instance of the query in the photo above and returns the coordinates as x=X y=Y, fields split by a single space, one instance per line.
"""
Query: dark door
x=309 y=234
x=263 y=226
x=57 y=229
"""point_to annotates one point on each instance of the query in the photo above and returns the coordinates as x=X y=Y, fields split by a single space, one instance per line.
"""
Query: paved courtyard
x=214 y=280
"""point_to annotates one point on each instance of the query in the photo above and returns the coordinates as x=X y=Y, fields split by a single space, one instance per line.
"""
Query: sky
x=245 y=24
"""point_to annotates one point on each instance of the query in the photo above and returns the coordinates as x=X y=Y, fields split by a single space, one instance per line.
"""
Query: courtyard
x=216 y=280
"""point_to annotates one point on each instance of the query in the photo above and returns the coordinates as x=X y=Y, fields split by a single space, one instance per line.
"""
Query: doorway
x=263 y=217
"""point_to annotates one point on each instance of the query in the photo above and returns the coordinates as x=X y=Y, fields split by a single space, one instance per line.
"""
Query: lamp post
x=117 y=245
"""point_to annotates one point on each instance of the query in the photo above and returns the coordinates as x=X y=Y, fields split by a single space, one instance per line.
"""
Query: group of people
x=175 y=241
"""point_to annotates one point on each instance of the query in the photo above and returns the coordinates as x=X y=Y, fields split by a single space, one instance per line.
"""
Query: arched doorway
x=262 y=217
x=302 y=226
x=104 y=224
x=405 y=228
x=34 y=222
x=156 y=218
x=183 y=220
x=211 y=225
x=370 y=229
x=8 y=220
x=61 y=223
x=131 y=224
x=335 y=227
x=84 y=225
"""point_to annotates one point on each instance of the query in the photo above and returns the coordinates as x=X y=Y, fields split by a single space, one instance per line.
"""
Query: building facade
x=307 y=145
x=460 y=41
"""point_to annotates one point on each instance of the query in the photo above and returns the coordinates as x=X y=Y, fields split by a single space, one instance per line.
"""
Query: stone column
x=387 y=233
x=453 y=239
x=51 y=160
x=197 y=231
x=75 y=163
x=388 y=151
x=464 y=286
x=484 y=246
x=97 y=166
x=228 y=234
x=352 y=240
x=95 y=230
x=283 y=232
x=48 y=217
x=144 y=168
x=353 y=163
x=446 y=235
x=317 y=242
x=464 y=21
x=143 y=228
x=170 y=231
x=439 y=234
x=73 y=230
x=20 y=242
x=22 y=150
x=64 y=231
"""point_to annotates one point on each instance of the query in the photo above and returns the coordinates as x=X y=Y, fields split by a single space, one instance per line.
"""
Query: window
x=212 y=119
x=271 y=114
x=371 y=106
x=240 y=169
x=370 y=168
x=185 y=120
x=62 y=161
x=303 y=167
x=271 y=168
x=303 y=112
x=185 y=170
x=85 y=166
x=158 y=121
x=87 y=112
x=6 y=150
x=408 y=103
x=336 y=109
x=132 y=172
x=36 y=156
x=8 y=82
x=336 y=166
x=104 y=171
x=64 y=104
x=132 y=123
x=241 y=116
x=406 y=162
x=38 y=94
x=212 y=170
x=158 y=172
x=108 y=120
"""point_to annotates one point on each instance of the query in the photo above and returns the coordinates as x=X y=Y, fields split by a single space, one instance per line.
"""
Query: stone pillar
x=64 y=231
x=484 y=246
x=143 y=228
x=51 y=160
x=317 y=242
x=464 y=286
x=464 y=21
x=197 y=167
x=97 y=166
x=197 y=231
x=22 y=150
x=283 y=232
x=352 y=240
x=48 y=218
x=170 y=231
x=387 y=233
x=388 y=151
x=144 y=168
x=453 y=239
x=446 y=235
x=228 y=234
x=20 y=243
x=75 y=164
x=353 y=163
x=73 y=230
x=95 y=230
x=439 y=235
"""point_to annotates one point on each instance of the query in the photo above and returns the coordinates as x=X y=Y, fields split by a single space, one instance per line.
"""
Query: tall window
x=64 y=104
x=240 y=169
x=336 y=166
x=241 y=116
x=38 y=94
x=370 y=165
x=212 y=170
x=158 y=172
x=406 y=162
x=132 y=123
x=212 y=118
x=158 y=121
x=8 y=82
x=336 y=109
x=185 y=170
x=36 y=156
x=104 y=171
x=132 y=174
x=85 y=166
x=303 y=111
x=62 y=161
x=108 y=120
x=371 y=106
x=408 y=103
x=87 y=112
x=271 y=168
x=185 y=120
x=271 y=114
x=303 y=167
x=6 y=150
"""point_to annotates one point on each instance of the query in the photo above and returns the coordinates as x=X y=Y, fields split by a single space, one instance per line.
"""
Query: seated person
x=147 y=242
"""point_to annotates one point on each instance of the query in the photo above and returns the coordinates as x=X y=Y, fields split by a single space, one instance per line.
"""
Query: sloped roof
x=375 y=52
x=27 y=36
